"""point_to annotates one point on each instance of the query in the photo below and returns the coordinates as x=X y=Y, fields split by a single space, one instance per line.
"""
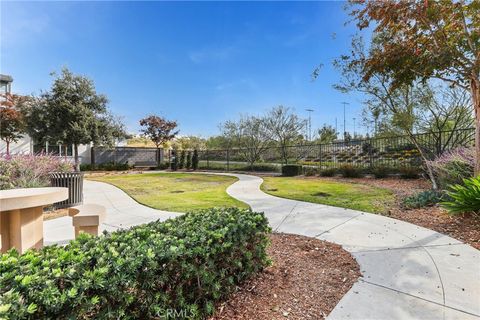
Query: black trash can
x=74 y=182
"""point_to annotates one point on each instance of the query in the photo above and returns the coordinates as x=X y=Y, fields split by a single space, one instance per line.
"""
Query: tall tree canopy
x=420 y=40
x=72 y=113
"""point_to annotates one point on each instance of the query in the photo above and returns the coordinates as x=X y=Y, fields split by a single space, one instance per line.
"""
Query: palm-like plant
x=464 y=198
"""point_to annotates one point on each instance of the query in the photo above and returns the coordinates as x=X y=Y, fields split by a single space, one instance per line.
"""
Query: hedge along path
x=409 y=272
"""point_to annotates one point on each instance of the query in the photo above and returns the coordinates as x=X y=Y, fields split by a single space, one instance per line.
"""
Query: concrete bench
x=87 y=218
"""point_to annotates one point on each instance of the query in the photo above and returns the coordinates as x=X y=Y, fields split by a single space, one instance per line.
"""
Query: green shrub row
x=182 y=266
x=291 y=170
x=107 y=166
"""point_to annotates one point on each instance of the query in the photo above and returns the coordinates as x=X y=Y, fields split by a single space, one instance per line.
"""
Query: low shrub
x=29 y=171
x=422 y=199
x=329 y=172
x=453 y=166
x=380 y=172
x=464 y=198
x=107 y=166
x=310 y=171
x=163 y=166
x=222 y=166
x=291 y=170
x=185 y=265
x=409 y=173
x=349 y=171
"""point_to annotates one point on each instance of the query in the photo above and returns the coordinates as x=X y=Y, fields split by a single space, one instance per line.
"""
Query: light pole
x=309 y=123
x=344 y=125
x=354 y=133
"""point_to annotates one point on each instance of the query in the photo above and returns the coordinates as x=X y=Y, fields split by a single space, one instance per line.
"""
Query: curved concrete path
x=409 y=272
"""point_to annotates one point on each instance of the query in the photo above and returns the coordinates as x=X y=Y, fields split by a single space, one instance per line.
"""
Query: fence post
x=208 y=162
x=228 y=159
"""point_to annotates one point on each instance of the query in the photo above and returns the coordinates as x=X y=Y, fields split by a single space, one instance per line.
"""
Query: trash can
x=74 y=182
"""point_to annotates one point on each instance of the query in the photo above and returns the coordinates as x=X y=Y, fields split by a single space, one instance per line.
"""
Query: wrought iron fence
x=395 y=152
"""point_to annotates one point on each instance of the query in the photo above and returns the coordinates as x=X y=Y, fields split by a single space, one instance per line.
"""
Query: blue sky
x=199 y=63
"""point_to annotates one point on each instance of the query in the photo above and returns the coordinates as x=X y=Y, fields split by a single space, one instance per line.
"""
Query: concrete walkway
x=409 y=272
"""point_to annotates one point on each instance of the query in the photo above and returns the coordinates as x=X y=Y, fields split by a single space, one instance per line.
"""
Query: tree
x=195 y=160
x=12 y=126
x=284 y=126
x=181 y=161
x=159 y=130
x=250 y=134
x=72 y=113
x=188 y=164
x=420 y=40
x=326 y=134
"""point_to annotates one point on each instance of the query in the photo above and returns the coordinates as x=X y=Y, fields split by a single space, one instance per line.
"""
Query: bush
x=309 y=171
x=330 y=172
x=195 y=160
x=186 y=264
x=162 y=166
x=349 y=171
x=423 y=199
x=29 y=171
x=380 y=172
x=181 y=162
x=174 y=161
x=464 y=198
x=453 y=166
x=291 y=170
x=189 y=161
x=107 y=166
x=409 y=173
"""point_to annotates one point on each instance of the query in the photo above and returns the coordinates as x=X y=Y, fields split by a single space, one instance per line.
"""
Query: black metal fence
x=395 y=152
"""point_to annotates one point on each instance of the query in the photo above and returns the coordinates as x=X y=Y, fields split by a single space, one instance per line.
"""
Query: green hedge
x=182 y=267
x=290 y=170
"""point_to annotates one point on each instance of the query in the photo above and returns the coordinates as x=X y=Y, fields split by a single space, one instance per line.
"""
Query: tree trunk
x=475 y=91
x=75 y=153
x=8 y=148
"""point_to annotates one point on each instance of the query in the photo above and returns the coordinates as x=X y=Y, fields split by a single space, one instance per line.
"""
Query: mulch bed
x=465 y=228
x=307 y=278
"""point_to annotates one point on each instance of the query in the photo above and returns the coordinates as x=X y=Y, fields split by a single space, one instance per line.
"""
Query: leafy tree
x=326 y=134
x=420 y=40
x=12 y=126
x=250 y=134
x=72 y=113
x=159 y=130
x=195 y=160
x=218 y=142
x=284 y=127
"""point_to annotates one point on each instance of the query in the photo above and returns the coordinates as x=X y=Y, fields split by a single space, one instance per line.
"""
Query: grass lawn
x=179 y=192
x=339 y=194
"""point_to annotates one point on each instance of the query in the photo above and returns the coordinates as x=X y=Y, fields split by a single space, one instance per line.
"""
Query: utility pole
x=309 y=123
x=344 y=122
x=354 y=133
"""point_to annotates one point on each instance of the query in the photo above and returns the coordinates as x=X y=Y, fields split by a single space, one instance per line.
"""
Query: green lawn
x=179 y=192
x=339 y=194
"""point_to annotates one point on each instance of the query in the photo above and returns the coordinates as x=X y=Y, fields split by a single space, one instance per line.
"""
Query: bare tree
x=284 y=126
x=250 y=134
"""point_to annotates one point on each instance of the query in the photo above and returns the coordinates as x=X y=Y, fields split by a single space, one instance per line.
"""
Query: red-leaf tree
x=12 y=126
x=159 y=130
x=420 y=40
